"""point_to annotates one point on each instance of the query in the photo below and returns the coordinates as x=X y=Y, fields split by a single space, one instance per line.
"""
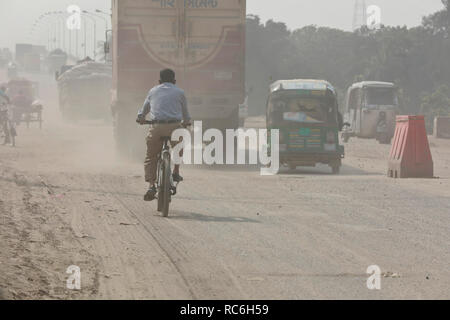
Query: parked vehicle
x=203 y=43
x=370 y=111
x=306 y=113
x=26 y=106
x=55 y=60
x=13 y=70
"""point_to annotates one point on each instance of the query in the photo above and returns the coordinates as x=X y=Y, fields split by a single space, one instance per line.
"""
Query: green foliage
x=416 y=59
x=436 y=104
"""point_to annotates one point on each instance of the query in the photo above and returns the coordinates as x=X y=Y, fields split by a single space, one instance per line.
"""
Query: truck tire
x=345 y=137
x=336 y=167
x=232 y=122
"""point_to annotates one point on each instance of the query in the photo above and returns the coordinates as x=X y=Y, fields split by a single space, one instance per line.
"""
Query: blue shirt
x=165 y=102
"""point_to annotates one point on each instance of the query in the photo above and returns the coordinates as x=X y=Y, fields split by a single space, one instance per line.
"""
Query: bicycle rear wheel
x=160 y=185
x=13 y=140
x=165 y=187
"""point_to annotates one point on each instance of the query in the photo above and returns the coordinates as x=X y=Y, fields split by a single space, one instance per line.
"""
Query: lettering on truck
x=196 y=4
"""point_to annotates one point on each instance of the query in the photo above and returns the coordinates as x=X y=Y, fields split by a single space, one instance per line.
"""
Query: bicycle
x=166 y=187
x=7 y=129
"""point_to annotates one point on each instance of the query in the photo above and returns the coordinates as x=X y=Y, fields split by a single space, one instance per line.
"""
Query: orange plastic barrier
x=410 y=155
x=442 y=127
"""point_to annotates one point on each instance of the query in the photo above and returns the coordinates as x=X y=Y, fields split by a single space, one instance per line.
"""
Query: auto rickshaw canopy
x=302 y=84
x=29 y=88
x=373 y=84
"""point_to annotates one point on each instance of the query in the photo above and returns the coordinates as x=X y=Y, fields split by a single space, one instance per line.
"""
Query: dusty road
x=232 y=234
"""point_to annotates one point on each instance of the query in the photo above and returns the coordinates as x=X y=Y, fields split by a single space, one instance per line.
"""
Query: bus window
x=381 y=97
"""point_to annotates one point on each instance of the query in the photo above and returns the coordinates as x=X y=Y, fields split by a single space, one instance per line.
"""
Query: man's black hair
x=167 y=75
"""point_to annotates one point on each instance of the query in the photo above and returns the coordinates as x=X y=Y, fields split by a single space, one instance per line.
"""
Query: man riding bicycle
x=7 y=128
x=167 y=106
x=3 y=96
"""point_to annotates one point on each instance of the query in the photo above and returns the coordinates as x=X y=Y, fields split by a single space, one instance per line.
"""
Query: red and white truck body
x=203 y=41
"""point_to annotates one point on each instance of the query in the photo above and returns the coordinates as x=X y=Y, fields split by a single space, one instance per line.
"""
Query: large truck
x=32 y=62
x=22 y=49
x=203 y=41
x=84 y=91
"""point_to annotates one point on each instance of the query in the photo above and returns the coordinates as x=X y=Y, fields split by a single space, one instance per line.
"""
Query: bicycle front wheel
x=13 y=135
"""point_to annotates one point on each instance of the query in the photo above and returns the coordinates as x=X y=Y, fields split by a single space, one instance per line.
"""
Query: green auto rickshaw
x=306 y=114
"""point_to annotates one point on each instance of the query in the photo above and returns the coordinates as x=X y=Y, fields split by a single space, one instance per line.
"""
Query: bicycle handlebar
x=151 y=122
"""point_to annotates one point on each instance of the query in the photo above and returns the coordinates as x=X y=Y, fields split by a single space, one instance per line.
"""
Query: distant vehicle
x=21 y=50
x=5 y=57
x=306 y=113
x=62 y=70
x=85 y=91
x=30 y=107
x=41 y=50
x=32 y=62
x=13 y=71
x=370 y=111
x=55 y=60
x=203 y=43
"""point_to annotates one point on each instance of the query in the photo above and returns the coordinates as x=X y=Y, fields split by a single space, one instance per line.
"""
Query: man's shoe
x=151 y=194
x=177 y=178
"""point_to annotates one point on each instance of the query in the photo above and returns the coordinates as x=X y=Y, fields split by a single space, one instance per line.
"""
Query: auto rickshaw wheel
x=383 y=138
x=345 y=137
x=335 y=168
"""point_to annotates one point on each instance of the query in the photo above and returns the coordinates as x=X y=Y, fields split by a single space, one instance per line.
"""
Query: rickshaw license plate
x=305 y=138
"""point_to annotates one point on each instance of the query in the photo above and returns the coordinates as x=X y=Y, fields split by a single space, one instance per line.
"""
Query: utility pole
x=94 y=22
x=85 y=38
x=76 y=43
x=70 y=42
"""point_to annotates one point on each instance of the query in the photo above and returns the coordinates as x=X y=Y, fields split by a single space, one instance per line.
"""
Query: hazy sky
x=17 y=16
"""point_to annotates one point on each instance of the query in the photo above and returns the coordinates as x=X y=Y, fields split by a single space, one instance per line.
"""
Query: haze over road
x=66 y=200
x=295 y=13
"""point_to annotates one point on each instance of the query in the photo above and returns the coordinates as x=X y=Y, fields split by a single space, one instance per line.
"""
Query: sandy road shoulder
x=36 y=246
